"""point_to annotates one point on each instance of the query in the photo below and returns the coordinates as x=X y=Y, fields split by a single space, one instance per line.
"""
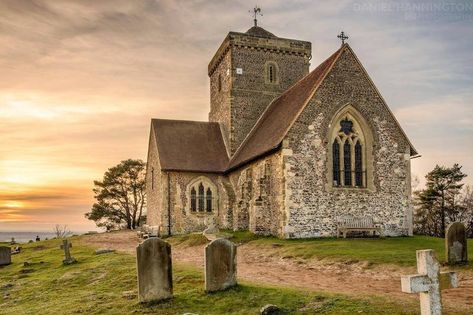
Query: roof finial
x=256 y=12
x=343 y=37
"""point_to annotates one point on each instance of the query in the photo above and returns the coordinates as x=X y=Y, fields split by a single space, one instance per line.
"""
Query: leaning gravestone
x=154 y=266
x=5 y=255
x=68 y=259
x=456 y=248
x=220 y=265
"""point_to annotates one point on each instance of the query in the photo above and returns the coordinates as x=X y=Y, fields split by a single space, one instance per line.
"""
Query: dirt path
x=258 y=263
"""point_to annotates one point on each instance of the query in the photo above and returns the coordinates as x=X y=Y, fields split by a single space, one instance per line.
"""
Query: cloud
x=80 y=81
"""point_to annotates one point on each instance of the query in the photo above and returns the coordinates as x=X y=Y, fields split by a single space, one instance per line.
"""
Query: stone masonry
x=289 y=191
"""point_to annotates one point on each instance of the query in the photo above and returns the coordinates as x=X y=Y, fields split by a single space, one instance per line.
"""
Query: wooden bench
x=350 y=224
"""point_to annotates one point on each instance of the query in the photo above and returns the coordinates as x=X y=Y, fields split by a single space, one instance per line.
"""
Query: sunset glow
x=80 y=83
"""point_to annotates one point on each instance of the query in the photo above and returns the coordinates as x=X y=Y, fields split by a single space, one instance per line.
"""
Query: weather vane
x=256 y=12
x=343 y=37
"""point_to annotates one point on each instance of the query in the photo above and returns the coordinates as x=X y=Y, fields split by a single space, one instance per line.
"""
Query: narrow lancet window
x=271 y=73
x=336 y=162
x=347 y=163
x=209 y=200
x=193 y=200
x=201 y=198
x=358 y=165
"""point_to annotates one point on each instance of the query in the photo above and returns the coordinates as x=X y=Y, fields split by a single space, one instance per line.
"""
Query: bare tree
x=61 y=231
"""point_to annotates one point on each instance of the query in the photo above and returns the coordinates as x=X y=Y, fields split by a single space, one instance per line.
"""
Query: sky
x=80 y=81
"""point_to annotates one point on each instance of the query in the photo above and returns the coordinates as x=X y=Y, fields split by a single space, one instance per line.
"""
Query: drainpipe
x=169 y=205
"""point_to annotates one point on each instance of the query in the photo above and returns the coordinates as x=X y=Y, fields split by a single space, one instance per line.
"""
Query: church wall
x=259 y=193
x=220 y=100
x=154 y=192
x=312 y=205
x=183 y=220
x=251 y=93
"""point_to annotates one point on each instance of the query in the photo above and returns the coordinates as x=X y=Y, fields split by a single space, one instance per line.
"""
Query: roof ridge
x=264 y=115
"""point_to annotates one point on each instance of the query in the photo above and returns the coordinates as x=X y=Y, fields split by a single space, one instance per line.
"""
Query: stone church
x=286 y=152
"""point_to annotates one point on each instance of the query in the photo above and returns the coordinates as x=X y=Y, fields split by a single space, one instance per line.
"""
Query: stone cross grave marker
x=220 y=265
x=68 y=259
x=154 y=266
x=456 y=249
x=429 y=282
x=5 y=255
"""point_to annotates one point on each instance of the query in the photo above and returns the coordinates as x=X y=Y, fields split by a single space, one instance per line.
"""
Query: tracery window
x=202 y=195
x=348 y=157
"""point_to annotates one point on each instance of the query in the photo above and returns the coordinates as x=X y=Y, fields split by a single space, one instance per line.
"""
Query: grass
x=399 y=251
x=96 y=285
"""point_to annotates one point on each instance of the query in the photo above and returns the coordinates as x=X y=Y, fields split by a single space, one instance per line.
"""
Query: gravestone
x=456 y=249
x=220 y=265
x=154 y=266
x=429 y=282
x=68 y=259
x=5 y=255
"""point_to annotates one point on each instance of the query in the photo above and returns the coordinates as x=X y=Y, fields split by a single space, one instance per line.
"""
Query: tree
x=439 y=203
x=61 y=231
x=121 y=196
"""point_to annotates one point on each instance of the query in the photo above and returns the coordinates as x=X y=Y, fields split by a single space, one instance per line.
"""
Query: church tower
x=246 y=73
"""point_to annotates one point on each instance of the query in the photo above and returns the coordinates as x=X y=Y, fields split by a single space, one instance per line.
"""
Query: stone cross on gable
x=429 y=282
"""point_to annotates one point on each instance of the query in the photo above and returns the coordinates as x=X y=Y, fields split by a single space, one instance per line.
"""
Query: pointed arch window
x=336 y=162
x=348 y=153
x=202 y=195
x=208 y=199
x=219 y=83
x=193 y=199
x=347 y=163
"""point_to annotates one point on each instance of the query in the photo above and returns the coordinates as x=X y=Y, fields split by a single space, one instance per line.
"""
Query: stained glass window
x=358 y=165
x=336 y=162
x=347 y=163
x=193 y=200
x=209 y=200
x=201 y=197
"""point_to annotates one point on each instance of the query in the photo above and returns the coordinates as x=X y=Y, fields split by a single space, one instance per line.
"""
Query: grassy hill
x=106 y=284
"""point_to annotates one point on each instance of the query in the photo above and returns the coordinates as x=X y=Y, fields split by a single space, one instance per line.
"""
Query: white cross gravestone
x=429 y=282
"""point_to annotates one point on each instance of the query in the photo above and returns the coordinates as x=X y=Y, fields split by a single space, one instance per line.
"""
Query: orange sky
x=80 y=81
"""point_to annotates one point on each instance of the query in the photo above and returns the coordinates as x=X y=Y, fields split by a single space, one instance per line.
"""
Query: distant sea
x=24 y=237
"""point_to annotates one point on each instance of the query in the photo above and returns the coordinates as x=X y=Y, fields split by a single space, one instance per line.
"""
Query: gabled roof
x=277 y=119
x=275 y=122
x=190 y=146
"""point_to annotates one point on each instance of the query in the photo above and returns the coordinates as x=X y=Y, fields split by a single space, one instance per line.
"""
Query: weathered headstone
x=154 y=266
x=68 y=259
x=456 y=248
x=220 y=265
x=5 y=255
x=429 y=282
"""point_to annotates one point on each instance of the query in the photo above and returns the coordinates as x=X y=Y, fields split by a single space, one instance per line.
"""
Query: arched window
x=208 y=206
x=193 y=200
x=347 y=163
x=271 y=73
x=350 y=139
x=358 y=165
x=336 y=162
x=202 y=195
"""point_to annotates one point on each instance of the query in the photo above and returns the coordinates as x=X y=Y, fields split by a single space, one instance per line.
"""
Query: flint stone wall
x=312 y=206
